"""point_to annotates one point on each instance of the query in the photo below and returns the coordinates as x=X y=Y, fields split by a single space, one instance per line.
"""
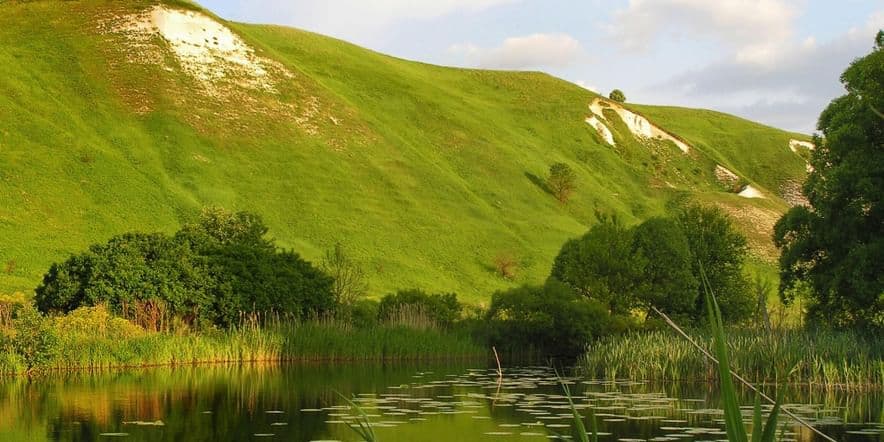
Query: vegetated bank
x=816 y=358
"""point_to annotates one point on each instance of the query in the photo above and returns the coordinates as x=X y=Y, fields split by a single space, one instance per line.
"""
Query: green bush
x=211 y=271
x=33 y=339
x=130 y=269
x=252 y=279
x=617 y=95
x=442 y=309
x=602 y=266
x=720 y=249
x=550 y=319
x=667 y=281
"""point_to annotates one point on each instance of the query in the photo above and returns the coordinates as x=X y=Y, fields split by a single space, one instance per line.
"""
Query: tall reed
x=825 y=359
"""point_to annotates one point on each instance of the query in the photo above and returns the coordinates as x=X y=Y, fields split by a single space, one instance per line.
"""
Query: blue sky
x=774 y=61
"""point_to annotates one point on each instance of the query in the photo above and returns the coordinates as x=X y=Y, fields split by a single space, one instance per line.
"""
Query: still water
x=433 y=402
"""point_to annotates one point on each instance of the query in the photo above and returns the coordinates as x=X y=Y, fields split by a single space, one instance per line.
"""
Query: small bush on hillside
x=506 y=265
x=441 y=309
x=551 y=319
x=617 y=95
x=561 y=181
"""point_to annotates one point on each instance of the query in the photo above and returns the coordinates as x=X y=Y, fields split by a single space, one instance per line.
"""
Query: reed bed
x=275 y=341
x=826 y=359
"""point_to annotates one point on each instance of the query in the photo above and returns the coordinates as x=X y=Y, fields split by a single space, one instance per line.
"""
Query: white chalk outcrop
x=750 y=192
x=601 y=129
x=795 y=144
x=637 y=124
x=203 y=47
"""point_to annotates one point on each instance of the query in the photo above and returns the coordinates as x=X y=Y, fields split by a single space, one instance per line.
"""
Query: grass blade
x=736 y=432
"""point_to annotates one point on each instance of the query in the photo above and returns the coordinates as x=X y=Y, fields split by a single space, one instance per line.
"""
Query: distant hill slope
x=120 y=116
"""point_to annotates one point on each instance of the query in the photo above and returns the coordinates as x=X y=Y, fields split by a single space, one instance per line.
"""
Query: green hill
x=119 y=116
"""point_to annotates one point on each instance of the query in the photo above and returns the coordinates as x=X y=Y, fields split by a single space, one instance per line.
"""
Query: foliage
x=33 y=339
x=211 y=271
x=561 y=181
x=506 y=265
x=617 y=95
x=601 y=266
x=349 y=278
x=837 y=245
x=666 y=281
x=256 y=280
x=129 y=269
x=441 y=308
x=551 y=318
x=720 y=249
x=94 y=322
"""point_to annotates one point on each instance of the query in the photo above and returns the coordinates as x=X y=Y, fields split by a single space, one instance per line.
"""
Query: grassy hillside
x=424 y=173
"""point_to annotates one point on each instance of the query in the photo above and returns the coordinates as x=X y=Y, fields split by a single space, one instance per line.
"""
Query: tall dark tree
x=837 y=244
x=718 y=249
x=667 y=281
x=601 y=266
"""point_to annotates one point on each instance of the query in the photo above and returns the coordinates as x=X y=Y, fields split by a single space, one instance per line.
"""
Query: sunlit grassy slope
x=424 y=173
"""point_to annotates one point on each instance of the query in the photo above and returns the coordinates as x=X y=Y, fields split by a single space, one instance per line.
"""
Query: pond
x=432 y=402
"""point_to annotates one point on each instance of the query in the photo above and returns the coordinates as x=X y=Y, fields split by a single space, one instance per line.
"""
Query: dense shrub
x=658 y=263
x=720 y=250
x=667 y=282
x=442 y=309
x=551 y=319
x=128 y=270
x=617 y=95
x=601 y=266
x=211 y=271
x=33 y=339
x=252 y=279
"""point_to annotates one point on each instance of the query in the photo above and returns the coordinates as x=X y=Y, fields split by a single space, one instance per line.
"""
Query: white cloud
x=789 y=93
x=359 y=18
x=527 y=52
x=753 y=28
x=588 y=87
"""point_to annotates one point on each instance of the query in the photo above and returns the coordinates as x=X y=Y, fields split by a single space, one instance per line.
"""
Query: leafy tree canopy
x=837 y=244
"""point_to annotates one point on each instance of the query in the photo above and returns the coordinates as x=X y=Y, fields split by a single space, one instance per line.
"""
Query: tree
x=212 y=270
x=667 y=281
x=837 y=245
x=617 y=95
x=349 y=279
x=130 y=270
x=551 y=318
x=718 y=249
x=601 y=266
x=561 y=181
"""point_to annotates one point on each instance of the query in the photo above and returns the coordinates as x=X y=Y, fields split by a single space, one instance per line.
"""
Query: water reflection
x=405 y=403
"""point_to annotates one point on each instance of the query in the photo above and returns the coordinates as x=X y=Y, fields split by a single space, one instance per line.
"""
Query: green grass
x=820 y=359
x=427 y=175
